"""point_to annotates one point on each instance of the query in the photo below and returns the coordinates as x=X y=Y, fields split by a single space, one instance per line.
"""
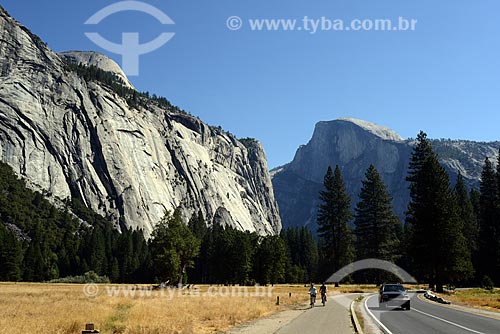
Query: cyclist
x=323 y=290
x=312 y=293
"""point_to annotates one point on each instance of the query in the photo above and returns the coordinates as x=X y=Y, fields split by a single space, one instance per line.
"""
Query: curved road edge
x=379 y=324
x=463 y=308
x=355 y=321
x=429 y=318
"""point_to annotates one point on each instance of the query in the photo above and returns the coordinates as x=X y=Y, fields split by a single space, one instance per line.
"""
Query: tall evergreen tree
x=10 y=256
x=333 y=218
x=437 y=245
x=270 y=261
x=421 y=151
x=301 y=254
x=489 y=224
x=466 y=213
x=376 y=223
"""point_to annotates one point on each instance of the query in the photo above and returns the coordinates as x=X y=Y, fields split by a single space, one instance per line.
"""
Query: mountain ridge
x=353 y=145
x=78 y=138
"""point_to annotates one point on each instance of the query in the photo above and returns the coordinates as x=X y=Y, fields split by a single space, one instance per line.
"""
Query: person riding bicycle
x=312 y=293
x=323 y=290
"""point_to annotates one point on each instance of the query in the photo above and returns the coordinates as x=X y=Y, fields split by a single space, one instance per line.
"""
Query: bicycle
x=313 y=300
x=323 y=299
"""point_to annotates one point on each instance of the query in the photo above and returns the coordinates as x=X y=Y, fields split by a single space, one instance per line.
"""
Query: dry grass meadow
x=65 y=308
x=479 y=298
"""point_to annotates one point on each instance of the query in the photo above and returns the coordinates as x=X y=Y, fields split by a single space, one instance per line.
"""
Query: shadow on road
x=378 y=308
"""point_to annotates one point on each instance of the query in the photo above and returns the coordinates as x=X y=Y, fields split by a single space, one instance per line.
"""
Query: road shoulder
x=464 y=308
x=367 y=323
x=270 y=324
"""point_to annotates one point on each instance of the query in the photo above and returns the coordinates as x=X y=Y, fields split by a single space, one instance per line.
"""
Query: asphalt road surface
x=426 y=318
x=333 y=318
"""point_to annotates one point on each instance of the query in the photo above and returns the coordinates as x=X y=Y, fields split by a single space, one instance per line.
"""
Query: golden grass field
x=65 y=309
x=480 y=298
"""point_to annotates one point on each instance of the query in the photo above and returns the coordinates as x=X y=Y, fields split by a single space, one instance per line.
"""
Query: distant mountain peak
x=354 y=145
x=378 y=130
x=99 y=60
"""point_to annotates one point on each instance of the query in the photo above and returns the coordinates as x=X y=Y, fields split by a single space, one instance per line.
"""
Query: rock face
x=79 y=139
x=90 y=58
x=354 y=145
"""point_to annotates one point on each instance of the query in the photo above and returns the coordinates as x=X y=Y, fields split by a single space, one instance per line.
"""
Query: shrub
x=88 y=277
x=487 y=283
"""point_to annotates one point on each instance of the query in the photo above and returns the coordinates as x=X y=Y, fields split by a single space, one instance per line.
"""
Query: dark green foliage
x=270 y=261
x=10 y=256
x=133 y=97
x=249 y=143
x=302 y=255
x=88 y=277
x=333 y=218
x=487 y=283
x=489 y=223
x=50 y=243
x=467 y=214
x=232 y=254
x=376 y=224
x=437 y=245
x=173 y=248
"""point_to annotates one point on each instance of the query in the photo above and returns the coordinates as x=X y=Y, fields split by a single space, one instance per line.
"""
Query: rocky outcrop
x=80 y=139
x=354 y=145
x=91 y=58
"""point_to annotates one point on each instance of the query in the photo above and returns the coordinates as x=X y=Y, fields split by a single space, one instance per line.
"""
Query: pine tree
x=466 y=213
x=301 y=254
x=10 y=256
x=375 y=221
x=437 y=245
x=421 y=152
x=333 y=218
x=489 y=229
x=309 y=253
x=270 y=260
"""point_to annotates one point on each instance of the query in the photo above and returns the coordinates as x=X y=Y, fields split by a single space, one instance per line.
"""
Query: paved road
x=333 y=318
x=426 y=318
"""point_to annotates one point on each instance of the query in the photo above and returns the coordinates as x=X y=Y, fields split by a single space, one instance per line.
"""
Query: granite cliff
x=77 y=138
x=354 y=145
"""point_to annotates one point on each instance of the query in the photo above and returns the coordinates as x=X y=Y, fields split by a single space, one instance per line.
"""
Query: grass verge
x=120 y=309
x=478 y=298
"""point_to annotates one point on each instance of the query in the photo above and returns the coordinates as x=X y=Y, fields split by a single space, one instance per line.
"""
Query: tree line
x=40 y=242
x=451 y=235
x=133 y=98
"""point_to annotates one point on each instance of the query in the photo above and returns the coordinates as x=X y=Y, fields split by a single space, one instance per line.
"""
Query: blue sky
x=443 y=78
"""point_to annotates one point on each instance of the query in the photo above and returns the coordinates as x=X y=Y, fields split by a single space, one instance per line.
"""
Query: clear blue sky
x=443 y=78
